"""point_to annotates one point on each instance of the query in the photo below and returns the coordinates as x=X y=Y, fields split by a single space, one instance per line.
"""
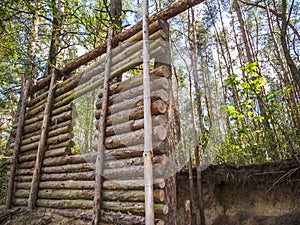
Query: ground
x=24 y=217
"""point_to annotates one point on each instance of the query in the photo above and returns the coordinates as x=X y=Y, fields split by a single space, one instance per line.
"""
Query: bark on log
x=37 y=99
x=49 y=153
x=57 y=115
x=36 y=126
x=71 y=194
x=156 y=84
x=131 y=184
x=68 y=144
x=82 y=167
x=70 y=184
x=134 y=151
x=89 y=176
x=135 y=81
x=85 y=214
x=23 y=178
x=114 y=164
x=158 y=107
x=133 y=125
x=52 y=133
x=52 y=140
x=132 y=196
x=57 y=152
x=132 y=172
x=20 y=202
x=129 y=103
x=65 y=204
x=136 y=208
x=134 y=138
x=35 y=130
x=89 y=185
x=124 y=172
x=26 y=165
x=72 y=159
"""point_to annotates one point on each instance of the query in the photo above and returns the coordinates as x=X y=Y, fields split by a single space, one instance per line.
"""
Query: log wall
x=67 y=181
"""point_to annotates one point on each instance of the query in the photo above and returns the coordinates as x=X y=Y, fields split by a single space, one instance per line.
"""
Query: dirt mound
x=40 y=217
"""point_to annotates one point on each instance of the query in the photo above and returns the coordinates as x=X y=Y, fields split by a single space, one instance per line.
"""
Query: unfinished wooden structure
x=47 y=175
x=108 y=186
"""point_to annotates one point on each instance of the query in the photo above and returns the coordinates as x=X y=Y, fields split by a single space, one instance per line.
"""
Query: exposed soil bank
x=256 y=194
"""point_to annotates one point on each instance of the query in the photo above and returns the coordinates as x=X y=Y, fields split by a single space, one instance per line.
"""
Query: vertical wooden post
x=42 y=145
x=102 y=127
x=148 y=148
x=187 y=212
x=10 y=188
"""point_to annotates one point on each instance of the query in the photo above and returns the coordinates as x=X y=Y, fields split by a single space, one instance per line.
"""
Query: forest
x=235 y=71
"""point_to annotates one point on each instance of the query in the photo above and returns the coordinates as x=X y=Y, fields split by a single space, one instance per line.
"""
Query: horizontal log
x=81 y=167
x=69 y=168
x=51 y=133
x=37 y=99
x=114 y=164
x=66 y=194
x=128 y=104
x=130 y=196
x=136 y=208
x=88 y=175
x=26 y=165
x=70 y=184
x=57 y=152
x=67 y=144
x=159 y=89
x=59 y=114
x=55 y=122
x=72 y=159
x=123 y=172
x=132 y=172
x=20 y=202
x=52 y=140
x=85 y=214
x=22 y=178
x=131 y=184
x=65 y=204
x=134 y=151
x=134 y=138
x=157 y=107
x=24 y=171
x=89 y=185
x=162 y=71
x=133 y=125
x=36 y=130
